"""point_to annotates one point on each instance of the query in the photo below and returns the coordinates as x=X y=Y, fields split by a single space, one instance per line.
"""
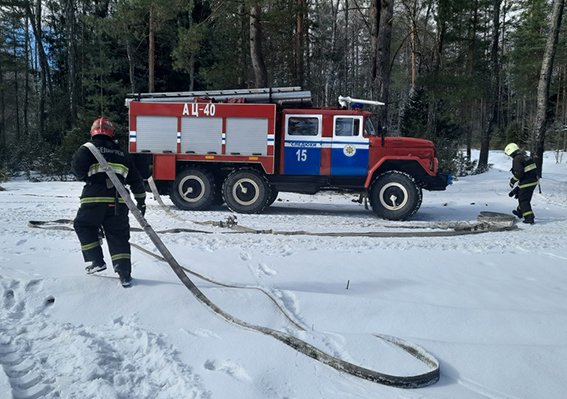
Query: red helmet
x=102 y=126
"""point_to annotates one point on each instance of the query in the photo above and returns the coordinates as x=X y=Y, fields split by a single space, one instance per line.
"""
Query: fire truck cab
x=243 y=147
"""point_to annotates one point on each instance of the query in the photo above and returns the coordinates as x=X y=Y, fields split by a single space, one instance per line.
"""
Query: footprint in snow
x=9 y=299
x=266 y=270
x=33 y=285
x=17 y=301
x=201 y=332
x=261 y=270
x=232 y=369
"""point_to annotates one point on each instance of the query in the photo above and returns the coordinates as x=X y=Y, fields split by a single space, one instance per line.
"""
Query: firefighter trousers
x=115 y=225
x=524 y=202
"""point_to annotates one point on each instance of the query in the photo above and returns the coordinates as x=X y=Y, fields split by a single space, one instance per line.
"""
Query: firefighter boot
x=125 y=279
x=95 y=267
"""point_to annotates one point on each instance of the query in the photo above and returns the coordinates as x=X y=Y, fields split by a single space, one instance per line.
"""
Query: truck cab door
x=349 y=155
x=302 y=144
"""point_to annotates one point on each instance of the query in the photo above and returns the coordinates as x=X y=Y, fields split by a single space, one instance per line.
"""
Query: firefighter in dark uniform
x=102 y=209
x=525 y=175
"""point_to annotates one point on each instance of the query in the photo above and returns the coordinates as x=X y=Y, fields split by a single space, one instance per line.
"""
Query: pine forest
x=466 y=74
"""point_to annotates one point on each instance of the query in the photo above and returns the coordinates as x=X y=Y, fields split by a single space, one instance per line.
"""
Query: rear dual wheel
x=193 y=190
x=246 y=191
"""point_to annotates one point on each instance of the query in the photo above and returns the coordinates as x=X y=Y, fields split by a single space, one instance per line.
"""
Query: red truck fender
x=383 y=160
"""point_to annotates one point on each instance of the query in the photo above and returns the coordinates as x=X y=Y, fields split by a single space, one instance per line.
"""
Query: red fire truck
x=243 y=147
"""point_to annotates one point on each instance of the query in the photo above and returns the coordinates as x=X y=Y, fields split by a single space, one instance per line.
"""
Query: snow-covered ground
x=491 y=307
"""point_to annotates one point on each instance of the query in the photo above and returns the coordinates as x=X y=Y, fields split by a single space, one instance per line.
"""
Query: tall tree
x=300 y=43
x=381 y=18
x=3 y=140
x=494 y=88
x=545 y=79
x=45 y=75
x=71 y=48
x=256 y=53
x=151 y=50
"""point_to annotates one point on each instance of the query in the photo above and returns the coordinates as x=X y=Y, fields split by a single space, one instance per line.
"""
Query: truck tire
x=246 y=191
x=193 y=190
x=273 y=196
x=395 y=196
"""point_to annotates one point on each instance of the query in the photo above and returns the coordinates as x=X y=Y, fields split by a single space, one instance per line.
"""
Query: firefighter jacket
x=524 y=170
x=98 y=187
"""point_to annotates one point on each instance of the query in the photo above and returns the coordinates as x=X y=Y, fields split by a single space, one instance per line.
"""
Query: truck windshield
x=369 y=128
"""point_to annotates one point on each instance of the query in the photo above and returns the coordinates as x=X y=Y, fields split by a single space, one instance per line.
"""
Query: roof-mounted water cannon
x=356 y=103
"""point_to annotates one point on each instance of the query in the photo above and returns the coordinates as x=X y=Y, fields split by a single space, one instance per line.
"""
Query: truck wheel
x=246 y=191
x=395 y=196
x=193 y=190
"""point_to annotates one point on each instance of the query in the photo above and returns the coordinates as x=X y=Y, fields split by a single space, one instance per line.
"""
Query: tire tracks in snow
x=43 y=359
x=24 y=373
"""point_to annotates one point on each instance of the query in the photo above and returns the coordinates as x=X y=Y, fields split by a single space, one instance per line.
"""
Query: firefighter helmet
x=511 y=149
x=102 y=126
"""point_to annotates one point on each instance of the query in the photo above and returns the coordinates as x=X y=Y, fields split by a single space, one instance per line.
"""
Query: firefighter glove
x=514 y=192
x=142 y=207
x=512 y=182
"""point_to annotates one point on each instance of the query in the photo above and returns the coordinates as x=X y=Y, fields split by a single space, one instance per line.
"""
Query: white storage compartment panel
x=201 y=135
x=156 y=134
x=246 y=136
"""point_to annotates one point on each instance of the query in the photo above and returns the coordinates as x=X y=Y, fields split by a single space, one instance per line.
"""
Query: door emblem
x=349 y=150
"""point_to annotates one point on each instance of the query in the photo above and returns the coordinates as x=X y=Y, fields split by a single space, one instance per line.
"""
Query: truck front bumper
x=438 y=182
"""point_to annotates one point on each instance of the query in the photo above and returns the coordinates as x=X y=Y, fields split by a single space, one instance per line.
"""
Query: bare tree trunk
x=131 y=75
x=81 y=88
x=381 y=15
x=71 y=60
x=300 y=43
x=441 y=30
x=256 y=54
x=492 y=106
x=3 y=140
x=472 y=64
x=411 y=8
x=413 y=47
x=328 y=67
x=151 y=53
x=545 y=79
x=244 y=32
x=344 y=82
x=191 y=57
x=29 y=62
x=501 y=115
x=564 y=96
x=45 y=73
x=16 y=101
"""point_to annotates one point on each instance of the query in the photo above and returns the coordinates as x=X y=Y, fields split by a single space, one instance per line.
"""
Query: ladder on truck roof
x=271 y=95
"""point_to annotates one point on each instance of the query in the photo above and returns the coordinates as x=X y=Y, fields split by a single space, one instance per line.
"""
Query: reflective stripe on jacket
x=524 y=170
x=98 y=188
